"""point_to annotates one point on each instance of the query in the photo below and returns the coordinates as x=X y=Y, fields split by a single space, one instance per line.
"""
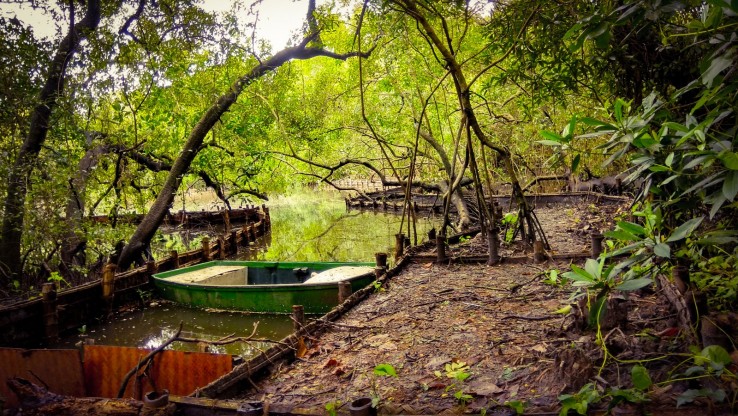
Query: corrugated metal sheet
x=60 y=370
x=177 y=371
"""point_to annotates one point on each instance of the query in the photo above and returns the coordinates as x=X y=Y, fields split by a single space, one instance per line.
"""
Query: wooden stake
x=493 y=246
x=175 y=259
x=344 y=291
x=206 y=249
x=539 y=255
x=597 y=238
x=221 y=248
x=108 y=287
x=298 y=317
x=399 y=241
x=441 y=249
x=51 y=318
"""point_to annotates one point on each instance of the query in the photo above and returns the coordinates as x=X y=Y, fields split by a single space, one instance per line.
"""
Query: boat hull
x=276 y=287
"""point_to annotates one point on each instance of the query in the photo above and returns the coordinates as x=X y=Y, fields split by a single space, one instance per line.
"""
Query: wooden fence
x=40 y=321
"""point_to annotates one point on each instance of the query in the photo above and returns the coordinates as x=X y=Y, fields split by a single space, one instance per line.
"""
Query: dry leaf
x=331 y=363
x=301 y=348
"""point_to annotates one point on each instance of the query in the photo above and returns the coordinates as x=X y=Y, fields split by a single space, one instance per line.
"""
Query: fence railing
x=42 y=320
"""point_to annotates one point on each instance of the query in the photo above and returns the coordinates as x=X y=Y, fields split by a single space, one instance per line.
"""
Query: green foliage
x=332 y=407
x=459 y=372
x=580 y=401
x=385 y=370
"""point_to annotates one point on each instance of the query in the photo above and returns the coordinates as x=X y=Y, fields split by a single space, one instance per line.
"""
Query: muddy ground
x=471 y=338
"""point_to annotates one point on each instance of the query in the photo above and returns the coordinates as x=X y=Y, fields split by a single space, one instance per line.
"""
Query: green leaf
x=662 y=250
x=593 y=267
x=730 y=186
x=717 y=65
x=554 y=137
x=633 y=284
x=621 y=235
x=385 y=370
x=729 y=159
x=640 y=377
x=632 y=228
x=685 y=229
x=715 y=356
x=575 y=163
x=551 y=143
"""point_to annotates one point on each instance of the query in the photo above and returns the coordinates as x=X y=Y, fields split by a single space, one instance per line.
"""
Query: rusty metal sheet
x=59 y=370
x=177 y=371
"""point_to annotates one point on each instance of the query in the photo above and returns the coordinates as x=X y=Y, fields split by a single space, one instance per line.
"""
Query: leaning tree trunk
x=147 y=228
x=14 y=207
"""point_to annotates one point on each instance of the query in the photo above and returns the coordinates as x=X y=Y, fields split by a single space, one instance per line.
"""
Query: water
x=317 y=227
x=305 y=227
x=151 y=327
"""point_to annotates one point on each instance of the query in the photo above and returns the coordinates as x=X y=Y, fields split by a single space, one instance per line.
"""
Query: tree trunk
x=14 y=206
x=153 y=219
x=73 y=245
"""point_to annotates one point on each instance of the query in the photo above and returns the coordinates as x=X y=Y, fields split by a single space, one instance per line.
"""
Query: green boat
x=262 y=286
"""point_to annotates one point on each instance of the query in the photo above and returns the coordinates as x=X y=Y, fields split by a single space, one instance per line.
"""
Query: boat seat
x=338 y=274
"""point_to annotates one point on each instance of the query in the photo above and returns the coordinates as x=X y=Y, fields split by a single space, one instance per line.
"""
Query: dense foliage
x=447 y=94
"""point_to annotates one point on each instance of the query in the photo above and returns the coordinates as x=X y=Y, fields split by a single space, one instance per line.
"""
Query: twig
x=149 y=356
x=529 y=318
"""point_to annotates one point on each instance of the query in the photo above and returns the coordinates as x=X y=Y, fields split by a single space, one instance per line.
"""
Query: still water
x=308 y=227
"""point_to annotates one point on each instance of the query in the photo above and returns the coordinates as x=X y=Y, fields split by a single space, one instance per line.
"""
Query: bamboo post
x=597 y=238
x=344 y=291
x=399 y=241
x=206 y=249
x=175 y=259
x=441 y=249
x=108 y=287
x=51 y=317
x=539 y=255
x=298 y=317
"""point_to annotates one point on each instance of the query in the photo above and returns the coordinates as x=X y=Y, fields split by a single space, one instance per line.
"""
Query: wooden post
x=298 y=317
x=432 y=234
x=175 y=259
x=206 y=249
x=680 y=274
x=151 y=268
x=539 y=255
x=406 y=243
x=344 y=291
x=108 y=287
x=597 y=238
x=441 y=249
x=51 y=318
x=381 y=259
x=493 y=246
x=221 y=248
x=399 y=241
x=234 y=242
x=245 y=236
x=252 y=232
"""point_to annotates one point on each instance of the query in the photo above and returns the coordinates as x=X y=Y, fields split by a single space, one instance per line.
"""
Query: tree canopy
x=135 y=101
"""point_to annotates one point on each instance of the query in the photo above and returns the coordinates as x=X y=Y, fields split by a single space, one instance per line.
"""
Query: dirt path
x=467 y=338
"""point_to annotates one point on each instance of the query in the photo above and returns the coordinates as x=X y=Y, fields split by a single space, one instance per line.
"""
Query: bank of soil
x=495 y=323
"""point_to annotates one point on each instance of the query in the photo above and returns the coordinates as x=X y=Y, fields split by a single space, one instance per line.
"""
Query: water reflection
x=307 y=227
x=318 y=228
x=151 y=327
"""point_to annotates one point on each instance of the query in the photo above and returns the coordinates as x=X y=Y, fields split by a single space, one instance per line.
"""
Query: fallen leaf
x=540 y=348
x=301 y=348
x=331 y=363
x=484 y=387
x=668 y=332
x=428 y=265
x=339 y=371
